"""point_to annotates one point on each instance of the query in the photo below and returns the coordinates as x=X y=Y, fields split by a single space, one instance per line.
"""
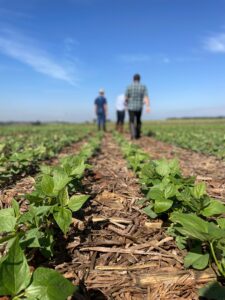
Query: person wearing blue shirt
x=101 y=110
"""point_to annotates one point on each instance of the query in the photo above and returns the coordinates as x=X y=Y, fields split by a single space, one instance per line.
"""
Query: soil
x=113 y=251
x=206 y=168
x=26 y=184
x=116 y=252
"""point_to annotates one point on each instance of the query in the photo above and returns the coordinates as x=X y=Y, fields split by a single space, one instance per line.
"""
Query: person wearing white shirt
x=120 y=112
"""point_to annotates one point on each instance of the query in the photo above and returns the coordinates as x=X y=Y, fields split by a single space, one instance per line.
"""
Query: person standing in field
x=136 y=96
x=120 y=112
x=101 y=110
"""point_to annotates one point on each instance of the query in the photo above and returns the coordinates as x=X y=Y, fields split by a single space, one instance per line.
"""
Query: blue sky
x=56 y=54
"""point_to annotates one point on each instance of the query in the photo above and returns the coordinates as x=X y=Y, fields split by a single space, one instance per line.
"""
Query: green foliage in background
x=201 y=136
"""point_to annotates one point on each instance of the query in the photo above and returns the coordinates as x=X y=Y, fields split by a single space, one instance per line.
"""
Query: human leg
x=99 y=121
x=138 y=124
x=122 y=117
x=104 y=122
x=132 y=125
x=117 y=119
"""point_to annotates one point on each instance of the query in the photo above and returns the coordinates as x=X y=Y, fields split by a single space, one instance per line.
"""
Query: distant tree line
x=36 y=123
x=199 y=118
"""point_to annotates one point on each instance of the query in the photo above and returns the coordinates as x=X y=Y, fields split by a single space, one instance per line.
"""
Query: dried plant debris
x=113 y=251
x=120 y=249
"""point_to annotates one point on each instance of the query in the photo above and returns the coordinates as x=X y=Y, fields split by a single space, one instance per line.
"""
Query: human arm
x=147 y=103
x=126 y=97
x=146 y=100
x=95 y=109
x=125 y=103
x=106 y=109
x=105 y=106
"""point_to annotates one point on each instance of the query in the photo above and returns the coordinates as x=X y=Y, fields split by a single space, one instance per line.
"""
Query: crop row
x=23 y=153
x=25 y=236
x=208 y=138
x=196 y=220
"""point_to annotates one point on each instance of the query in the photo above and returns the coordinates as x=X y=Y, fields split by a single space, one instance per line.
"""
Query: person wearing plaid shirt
x=136 y=96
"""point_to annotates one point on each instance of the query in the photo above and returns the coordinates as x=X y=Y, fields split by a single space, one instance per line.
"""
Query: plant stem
x=18 y=297
x=216 y=260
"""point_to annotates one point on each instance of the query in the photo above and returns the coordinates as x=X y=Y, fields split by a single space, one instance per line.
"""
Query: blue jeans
x=101 y=121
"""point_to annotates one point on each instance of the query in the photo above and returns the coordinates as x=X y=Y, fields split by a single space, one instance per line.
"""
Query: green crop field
x=206 y=136
x=23 y=147
x=78 y=204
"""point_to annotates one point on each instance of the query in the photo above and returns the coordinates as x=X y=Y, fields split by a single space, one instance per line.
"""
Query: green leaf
x=198 y=261
x=77 y=201
x=181 y=242
x=64 y=196
x=199 y=190
x=148 y=210
x=48 y=284
x=63 y=218
x=162 y=205
x=7 y=238
x=47 y=243
x=14 y=271
x=16 y=207
x=35 y=215
x=163 y=168
x=45 y=169
x=221 y=222
x=31 y=238
x=47 y=184
x=195 y=227
x=213 y=290
x=215 y=233
x=148 y=170
x=7 y=220
x=155 y=194
x=174 y=166
x=215 y=208
x=27 y=217
x=79 y=170
x=7 y=212
x=192 y=225
x=60 y=178
x=185 y=196
x=170 y=191
x=41 y=211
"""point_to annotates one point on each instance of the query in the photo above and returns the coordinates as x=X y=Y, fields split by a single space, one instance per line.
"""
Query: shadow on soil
x=91 y=294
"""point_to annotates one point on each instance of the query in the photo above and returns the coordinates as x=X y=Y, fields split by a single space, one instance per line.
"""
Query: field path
x=114 y=247
x=207 y=168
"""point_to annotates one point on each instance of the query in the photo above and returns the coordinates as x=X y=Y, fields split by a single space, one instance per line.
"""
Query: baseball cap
x=101 y=91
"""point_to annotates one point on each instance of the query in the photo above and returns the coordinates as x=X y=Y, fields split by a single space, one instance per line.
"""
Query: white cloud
x=215 y=43
x=25 y=50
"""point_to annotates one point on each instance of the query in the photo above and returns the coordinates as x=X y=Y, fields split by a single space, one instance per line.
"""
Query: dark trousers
x=120 y=117
x=101 y=121
x=135 y=123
